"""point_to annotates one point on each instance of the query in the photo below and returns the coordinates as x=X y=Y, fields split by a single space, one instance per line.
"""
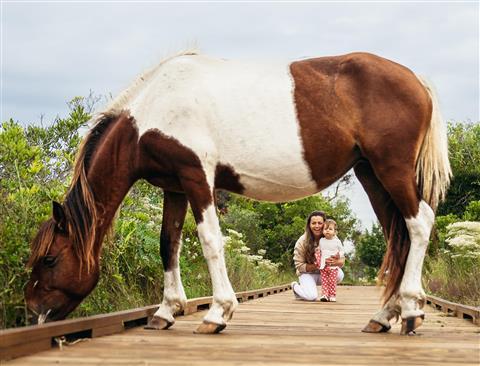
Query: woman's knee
x=310 y=296
x=340 y=275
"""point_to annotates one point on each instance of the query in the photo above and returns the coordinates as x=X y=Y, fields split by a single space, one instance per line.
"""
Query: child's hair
x=330 y=222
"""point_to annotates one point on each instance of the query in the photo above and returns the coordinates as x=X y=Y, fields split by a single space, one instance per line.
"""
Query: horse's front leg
x=174 y=299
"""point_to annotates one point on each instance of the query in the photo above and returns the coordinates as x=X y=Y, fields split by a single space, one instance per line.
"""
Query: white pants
x=307 y=289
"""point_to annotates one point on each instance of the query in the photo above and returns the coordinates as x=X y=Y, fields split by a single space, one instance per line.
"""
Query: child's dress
x=327 y=248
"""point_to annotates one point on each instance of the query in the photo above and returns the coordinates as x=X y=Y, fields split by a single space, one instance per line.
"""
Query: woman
x=304 y=258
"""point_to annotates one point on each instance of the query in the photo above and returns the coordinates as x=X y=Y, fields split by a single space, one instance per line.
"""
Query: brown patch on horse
x=326 y=122
x=226 y=178
x=165 y=162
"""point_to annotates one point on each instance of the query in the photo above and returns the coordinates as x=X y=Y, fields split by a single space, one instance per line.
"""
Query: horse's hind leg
x=224 y=299
x=395 y=200
x=412 y=296
x=384 y=209
x=201 y=198
x=398 y=179
x=174 y=299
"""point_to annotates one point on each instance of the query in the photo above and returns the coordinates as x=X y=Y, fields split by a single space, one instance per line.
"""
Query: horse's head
x=61 y=276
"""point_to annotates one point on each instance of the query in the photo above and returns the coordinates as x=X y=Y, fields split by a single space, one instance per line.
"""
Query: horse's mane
x=126 y=95
x=79 y=204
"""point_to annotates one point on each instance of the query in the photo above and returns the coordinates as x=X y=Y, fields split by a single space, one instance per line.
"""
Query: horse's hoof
x=375 y=327
x=158 y=323
x=410 y=324
x=209 y=328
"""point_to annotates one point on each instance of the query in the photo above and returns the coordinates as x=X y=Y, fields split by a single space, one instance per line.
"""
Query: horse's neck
x=112 y=169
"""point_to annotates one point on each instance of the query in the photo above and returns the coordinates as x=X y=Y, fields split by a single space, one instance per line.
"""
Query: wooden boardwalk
x=278 y=330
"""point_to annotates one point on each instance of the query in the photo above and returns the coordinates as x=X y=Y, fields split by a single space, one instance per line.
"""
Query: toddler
x=329 y=245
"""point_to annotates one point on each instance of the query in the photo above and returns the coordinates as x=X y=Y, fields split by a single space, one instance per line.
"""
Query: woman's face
x=316 y=225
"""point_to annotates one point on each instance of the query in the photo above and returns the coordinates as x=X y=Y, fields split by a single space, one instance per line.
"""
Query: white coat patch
x=233 y=113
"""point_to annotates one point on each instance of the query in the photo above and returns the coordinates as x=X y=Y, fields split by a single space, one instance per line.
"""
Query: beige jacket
x=299 y=256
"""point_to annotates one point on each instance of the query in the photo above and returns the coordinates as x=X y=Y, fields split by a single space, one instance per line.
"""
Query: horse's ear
x=58 y=215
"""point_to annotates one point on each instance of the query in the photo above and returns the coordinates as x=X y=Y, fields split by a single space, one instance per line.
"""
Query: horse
x=269 y=131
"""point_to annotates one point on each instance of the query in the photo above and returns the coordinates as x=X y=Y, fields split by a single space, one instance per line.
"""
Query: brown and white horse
x=272 y=132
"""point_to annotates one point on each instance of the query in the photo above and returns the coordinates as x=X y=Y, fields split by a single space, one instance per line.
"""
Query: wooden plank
x=107 y=330
x=279 y=330
x=10 y=337
x=12 y=340
x=22 y=349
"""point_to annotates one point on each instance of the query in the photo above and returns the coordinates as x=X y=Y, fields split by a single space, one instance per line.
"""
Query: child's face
x=329 y=231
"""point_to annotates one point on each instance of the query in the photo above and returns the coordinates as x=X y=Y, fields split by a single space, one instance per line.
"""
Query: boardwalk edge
x=31 y=339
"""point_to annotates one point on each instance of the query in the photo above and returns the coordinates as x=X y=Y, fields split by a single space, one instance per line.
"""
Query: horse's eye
x=49 y=261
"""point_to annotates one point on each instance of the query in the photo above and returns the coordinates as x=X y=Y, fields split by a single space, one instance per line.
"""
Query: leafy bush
x=454 y=273
x=33 y=166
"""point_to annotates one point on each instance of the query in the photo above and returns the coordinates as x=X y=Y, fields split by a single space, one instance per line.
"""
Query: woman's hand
x=310 y=267
x=335 y=260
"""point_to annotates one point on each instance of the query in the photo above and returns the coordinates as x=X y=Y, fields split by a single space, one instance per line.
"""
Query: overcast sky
x=54 y=51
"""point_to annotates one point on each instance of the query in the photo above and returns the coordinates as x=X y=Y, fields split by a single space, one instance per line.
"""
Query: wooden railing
x=35 y=338
x=454 y=309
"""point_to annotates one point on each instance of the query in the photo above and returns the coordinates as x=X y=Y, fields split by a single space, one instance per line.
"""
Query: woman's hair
x=309 y=238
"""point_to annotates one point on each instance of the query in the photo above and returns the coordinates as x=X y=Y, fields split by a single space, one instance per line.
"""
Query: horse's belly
x=279 y=190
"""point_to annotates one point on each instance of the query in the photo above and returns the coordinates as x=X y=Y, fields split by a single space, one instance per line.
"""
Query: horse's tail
x=433 y=177
x=433 y=167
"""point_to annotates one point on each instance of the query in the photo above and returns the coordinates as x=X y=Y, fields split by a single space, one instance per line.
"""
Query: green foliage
x=371 y=247
x=464 y=154
x=277 y=226
x=455 y=272
x=452 y=271
x=472 y=212
x=34 y=162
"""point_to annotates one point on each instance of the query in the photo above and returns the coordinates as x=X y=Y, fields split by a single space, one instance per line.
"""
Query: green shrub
x=454 y=274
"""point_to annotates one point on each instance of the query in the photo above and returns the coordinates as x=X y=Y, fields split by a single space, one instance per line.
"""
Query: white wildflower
x=262 y=252
x=464 y=239
x=235 y=234
x=255 y=257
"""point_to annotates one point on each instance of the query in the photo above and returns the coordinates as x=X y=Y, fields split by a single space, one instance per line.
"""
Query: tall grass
x=454 y=273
